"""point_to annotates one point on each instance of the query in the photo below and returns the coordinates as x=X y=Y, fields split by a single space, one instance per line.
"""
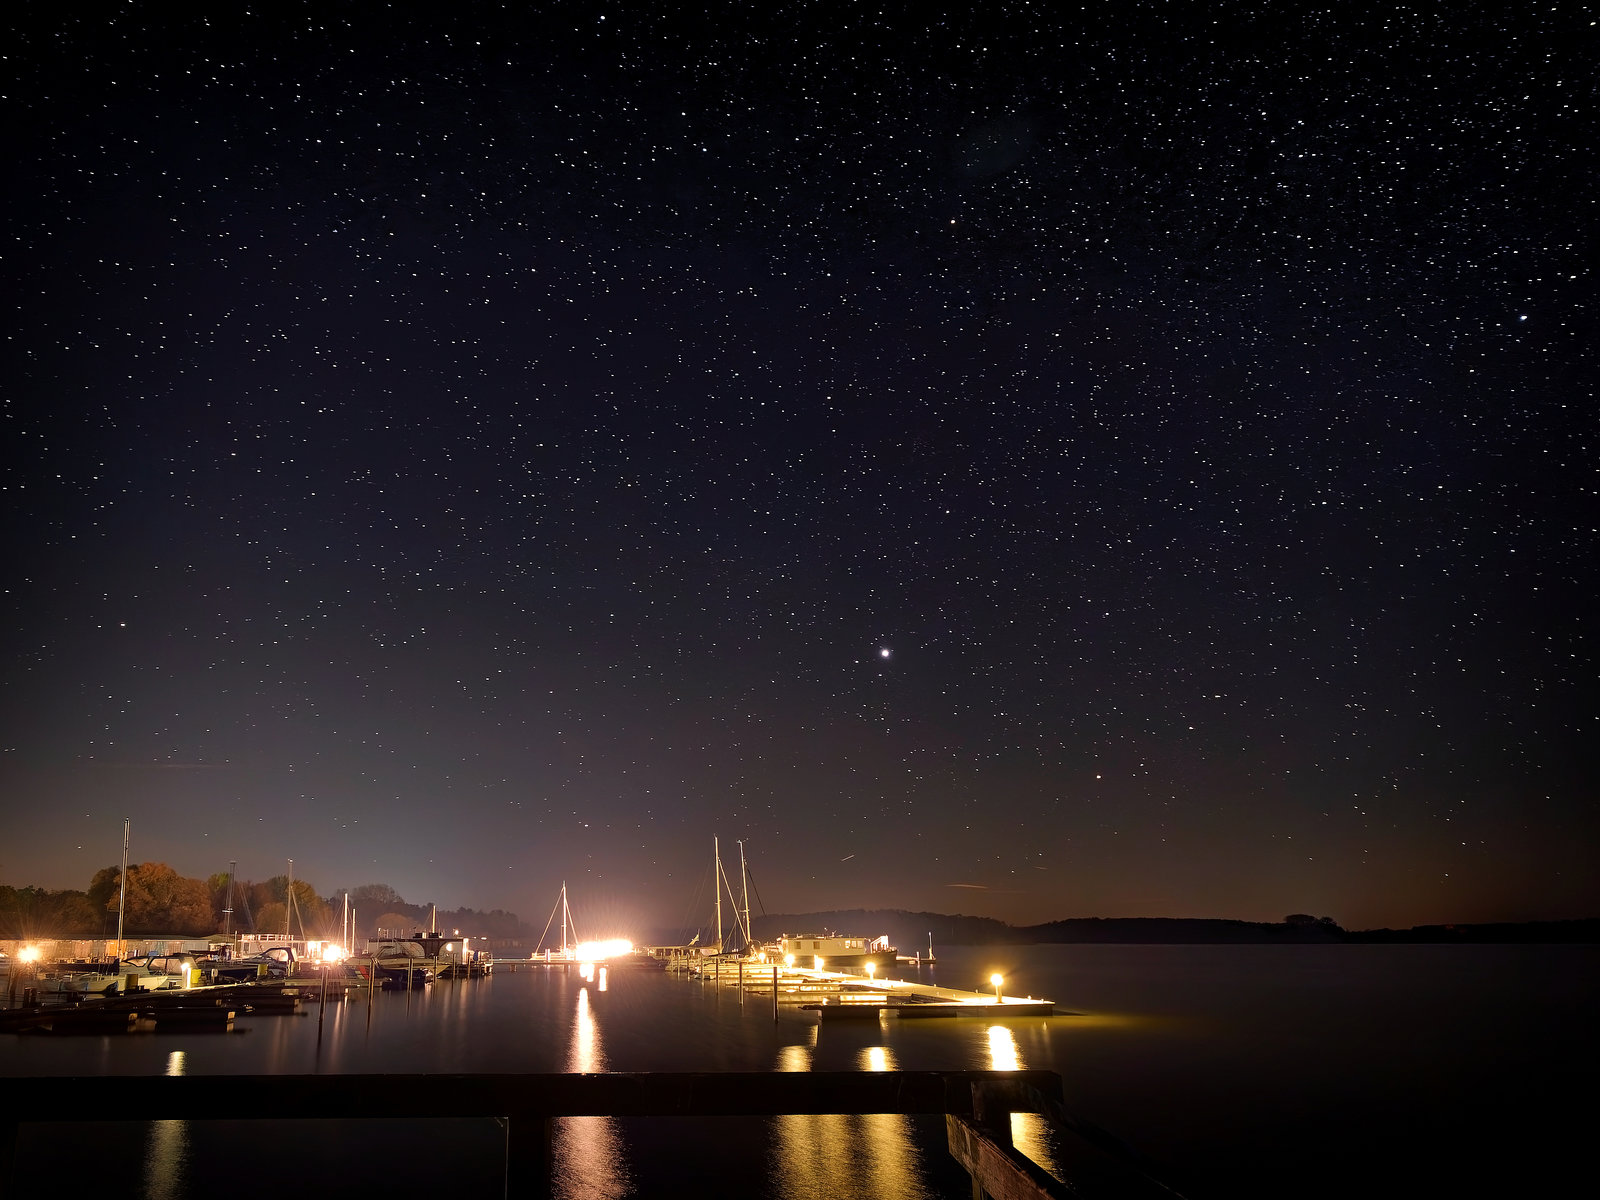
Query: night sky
x=1013 y=459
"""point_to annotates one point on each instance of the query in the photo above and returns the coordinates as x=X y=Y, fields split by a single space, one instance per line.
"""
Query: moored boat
x=838 y=952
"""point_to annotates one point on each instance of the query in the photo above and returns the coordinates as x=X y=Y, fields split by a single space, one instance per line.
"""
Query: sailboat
x=120 y=974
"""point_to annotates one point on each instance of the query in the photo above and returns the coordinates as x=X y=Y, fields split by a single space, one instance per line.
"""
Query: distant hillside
x=907 y=930
x=1178 y=929
x=910 y=930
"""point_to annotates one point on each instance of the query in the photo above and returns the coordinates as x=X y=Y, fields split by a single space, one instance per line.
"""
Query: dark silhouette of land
x=910 y=931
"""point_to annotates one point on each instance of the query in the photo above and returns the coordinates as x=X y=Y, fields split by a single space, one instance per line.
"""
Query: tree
x=376 y=897
x=270 y=917
x=162 y=901
x=103 y=888
x=395 y=923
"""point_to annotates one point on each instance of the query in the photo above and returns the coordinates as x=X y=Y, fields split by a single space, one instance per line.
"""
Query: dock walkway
x=836 y=995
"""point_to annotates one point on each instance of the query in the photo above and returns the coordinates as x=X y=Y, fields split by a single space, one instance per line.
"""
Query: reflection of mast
x=122 y=898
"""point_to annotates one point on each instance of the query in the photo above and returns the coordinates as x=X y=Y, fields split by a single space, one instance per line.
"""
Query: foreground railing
x=977 y=1106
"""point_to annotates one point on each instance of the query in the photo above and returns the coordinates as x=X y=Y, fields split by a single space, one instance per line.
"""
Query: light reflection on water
x=166 y=1155
x=819 y=1157
x=588 y=1151
x=1029 y=1132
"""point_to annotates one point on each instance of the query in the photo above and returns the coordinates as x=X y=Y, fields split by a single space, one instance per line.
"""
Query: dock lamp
x=997 y=979
x=870 y=968
x=788 y=960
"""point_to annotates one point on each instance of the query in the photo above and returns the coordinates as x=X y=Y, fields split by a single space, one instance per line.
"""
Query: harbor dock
x=834 y=995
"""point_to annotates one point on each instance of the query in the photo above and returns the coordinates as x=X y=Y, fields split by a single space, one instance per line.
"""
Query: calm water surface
x=1243 y=1070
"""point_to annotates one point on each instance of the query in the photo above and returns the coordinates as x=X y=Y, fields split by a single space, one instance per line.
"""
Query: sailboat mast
x=288 y=900
x=744 y=882
x=227 y=911
x=716 y=886
x=122 y=898
x=563 y=917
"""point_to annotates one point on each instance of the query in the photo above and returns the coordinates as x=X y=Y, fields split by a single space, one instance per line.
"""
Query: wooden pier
x=976 y=1105
x=834 y=995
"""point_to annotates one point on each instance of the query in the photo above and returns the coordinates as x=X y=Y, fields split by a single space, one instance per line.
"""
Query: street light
x=997 y=980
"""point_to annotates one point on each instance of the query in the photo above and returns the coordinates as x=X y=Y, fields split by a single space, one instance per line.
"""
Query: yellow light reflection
x=823 y=1157
x=166 y=1155
x=1003 y=1053
x=1029 y=1133
x=588 y=1151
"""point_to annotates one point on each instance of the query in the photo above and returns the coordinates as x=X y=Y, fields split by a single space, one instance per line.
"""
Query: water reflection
x=588 y=1150
x=825 y=1157
x=1029 y=1133
x=166 y=1157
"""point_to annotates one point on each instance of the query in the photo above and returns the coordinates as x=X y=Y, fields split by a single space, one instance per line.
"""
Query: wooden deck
x=834 y=995
x=977 y=1106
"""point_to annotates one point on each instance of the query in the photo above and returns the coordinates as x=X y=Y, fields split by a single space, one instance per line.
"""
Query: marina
x=1199 y=1057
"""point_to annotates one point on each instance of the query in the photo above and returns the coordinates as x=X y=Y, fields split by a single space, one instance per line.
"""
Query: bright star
x=884 y=653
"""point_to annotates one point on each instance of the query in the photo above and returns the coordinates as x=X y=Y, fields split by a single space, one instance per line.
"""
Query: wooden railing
x=977 y=1106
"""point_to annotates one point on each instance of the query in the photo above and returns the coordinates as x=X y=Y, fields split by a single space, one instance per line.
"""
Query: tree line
x=160 y=901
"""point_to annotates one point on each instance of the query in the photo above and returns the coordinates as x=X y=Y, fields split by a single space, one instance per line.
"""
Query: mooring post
x=530 y=1155
x=991 y=1111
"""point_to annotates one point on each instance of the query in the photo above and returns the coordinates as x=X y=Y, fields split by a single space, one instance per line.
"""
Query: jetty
x=835 y=995
x=976 y=1107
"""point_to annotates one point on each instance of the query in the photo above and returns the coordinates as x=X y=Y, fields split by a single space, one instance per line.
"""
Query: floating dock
x=834 y=995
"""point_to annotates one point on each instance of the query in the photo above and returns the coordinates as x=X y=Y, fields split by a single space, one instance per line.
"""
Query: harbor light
x=997 y=979
x=816 y=962
x=28 y=954
x=788 y=960
x=870 y=968
x=600 y=951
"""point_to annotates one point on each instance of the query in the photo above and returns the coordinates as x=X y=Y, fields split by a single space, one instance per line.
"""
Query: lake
x=1244 y=1071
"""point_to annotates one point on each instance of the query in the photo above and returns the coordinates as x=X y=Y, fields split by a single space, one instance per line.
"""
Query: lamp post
x=997 y=980
x=870 y=968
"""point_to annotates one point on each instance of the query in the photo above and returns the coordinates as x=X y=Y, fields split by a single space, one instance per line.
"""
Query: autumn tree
x=162 y=901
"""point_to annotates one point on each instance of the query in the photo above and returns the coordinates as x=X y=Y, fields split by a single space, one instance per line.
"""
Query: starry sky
x=1024 y=459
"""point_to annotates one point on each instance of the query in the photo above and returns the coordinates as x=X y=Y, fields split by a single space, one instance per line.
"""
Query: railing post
x=530 y=1155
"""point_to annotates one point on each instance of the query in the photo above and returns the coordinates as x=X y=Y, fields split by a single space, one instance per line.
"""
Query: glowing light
x=997 y=979
x=871 y=967
x=816 y=963
x=332 y=954
x=600 y=951
x=788 y=960
x=28 y=954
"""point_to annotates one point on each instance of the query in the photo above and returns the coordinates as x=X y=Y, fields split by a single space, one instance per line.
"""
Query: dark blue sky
x=463 y=449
